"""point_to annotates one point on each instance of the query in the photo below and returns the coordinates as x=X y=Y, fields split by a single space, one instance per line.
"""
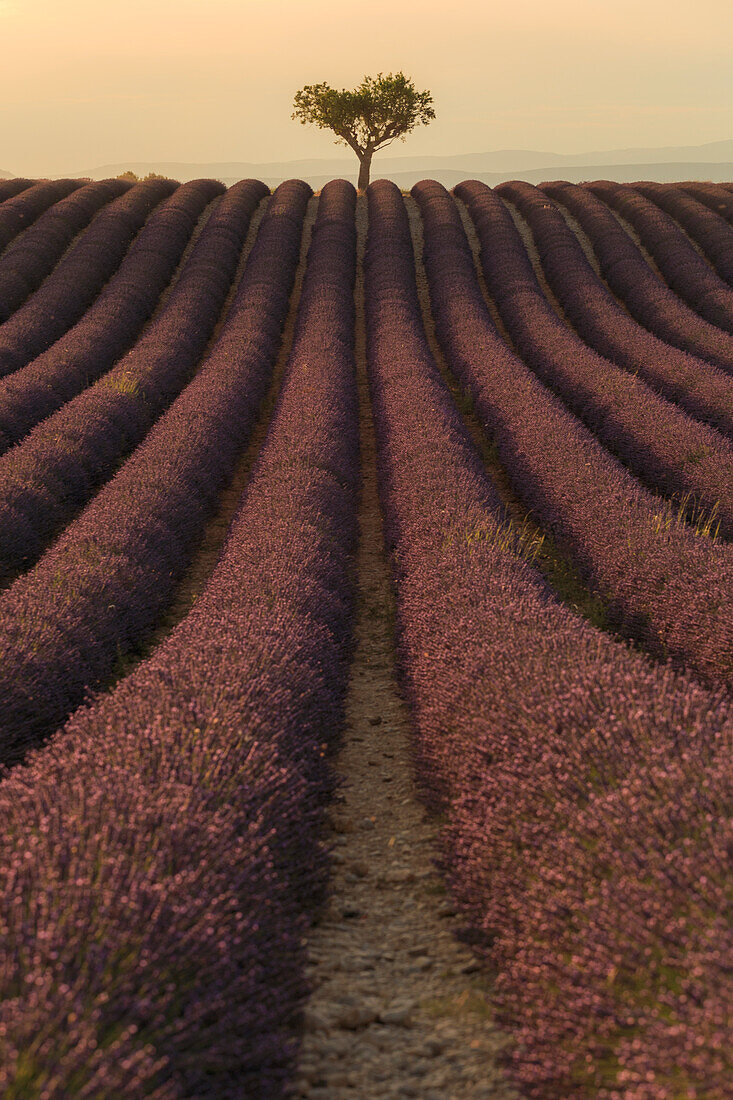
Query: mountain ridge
x=712 y=160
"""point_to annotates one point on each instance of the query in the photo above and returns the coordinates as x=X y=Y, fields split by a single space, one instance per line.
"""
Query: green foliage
x=128 y=175
x=371 y=116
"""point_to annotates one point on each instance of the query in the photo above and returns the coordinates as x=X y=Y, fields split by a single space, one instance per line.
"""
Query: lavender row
x=628 y=274
x=663 y=584
x=100 y=588
x=713 y=195
x=679 y=263
x=700 y=388
x=12 y=187
x=20 y=210
x=583 y=787
x=708 y=229
x=26 y=263
x=58 y=467
x=112 y=323
x=158 y=922
x=659 y=442
x=79 y=277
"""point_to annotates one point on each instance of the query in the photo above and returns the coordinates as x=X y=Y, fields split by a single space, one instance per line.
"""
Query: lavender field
x=222 y=413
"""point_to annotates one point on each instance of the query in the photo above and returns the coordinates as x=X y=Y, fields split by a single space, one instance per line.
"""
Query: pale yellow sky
x=89 y=82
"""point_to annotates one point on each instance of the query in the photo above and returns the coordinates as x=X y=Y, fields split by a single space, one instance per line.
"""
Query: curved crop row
x=699 y=387
x=706 y=227
x=628 y=274
x=679 y=263
x=663 y=585
x=79 y=277
x=26 y=263
x=584 y=788
x=58 y=467
x=159 y=916
x=658 y=441
x=21 y=210
x=112 y=323
x=12 y=187
x=101 y=586
x=713 y=195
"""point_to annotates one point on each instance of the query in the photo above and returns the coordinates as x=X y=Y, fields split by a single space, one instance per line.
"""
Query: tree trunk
x=365 y=164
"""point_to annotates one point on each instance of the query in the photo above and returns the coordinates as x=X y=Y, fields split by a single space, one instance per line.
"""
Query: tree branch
x=371 y=116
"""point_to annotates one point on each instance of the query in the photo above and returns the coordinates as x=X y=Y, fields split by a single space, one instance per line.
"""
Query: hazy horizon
x=213 y=80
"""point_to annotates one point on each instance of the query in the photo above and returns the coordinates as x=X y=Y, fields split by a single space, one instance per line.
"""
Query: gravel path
x=400 y=1008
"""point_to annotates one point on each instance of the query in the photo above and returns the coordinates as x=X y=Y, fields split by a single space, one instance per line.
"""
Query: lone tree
x=381 y=109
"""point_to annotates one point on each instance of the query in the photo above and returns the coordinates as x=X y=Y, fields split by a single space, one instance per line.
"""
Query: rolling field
x=366 y=640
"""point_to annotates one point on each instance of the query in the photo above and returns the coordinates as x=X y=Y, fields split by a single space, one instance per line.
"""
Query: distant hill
x=713 y=161
x=6 y=175
x=231 y=171
x=713 y=152
x=621 y=173
x=507 y=161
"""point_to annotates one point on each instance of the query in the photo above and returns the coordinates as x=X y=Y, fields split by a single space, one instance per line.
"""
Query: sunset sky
x=89 y=82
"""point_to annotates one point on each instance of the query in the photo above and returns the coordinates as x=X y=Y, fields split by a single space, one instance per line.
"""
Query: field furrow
x=667 y=449
x=79 y=277
x=710 y=232
x=666 y=586
x=713 y=195
x=32 y=256
x=696 y=385
x=57 y=468
x=210 y=545
x=23 y=207
x=196 y=788
x=101 y=587
x=559 y=570
x=628 y=274
x=366 y=641
x=538 y=736
x=678 y=261
x=112 y=323
x=394 y=1010
x=10 y=188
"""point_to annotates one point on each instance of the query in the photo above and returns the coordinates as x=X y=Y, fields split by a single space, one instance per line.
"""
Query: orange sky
x=89 y=82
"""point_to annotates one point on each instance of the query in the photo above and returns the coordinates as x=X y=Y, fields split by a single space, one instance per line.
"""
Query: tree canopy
x=130 y=175
x=368 y=118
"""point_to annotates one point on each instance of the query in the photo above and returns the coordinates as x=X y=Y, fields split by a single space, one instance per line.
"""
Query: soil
x=589 y=252
x=481 y=439
x=563 y=577
x=400 y=1008
x=530 y=246
x=209 y=550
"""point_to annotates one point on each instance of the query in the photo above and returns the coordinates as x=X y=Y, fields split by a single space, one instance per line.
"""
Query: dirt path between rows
x=167 y=291
x=559 y=570
x=209 y=549
x=530 y=245
x=399 y=1007
x=585 y=243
